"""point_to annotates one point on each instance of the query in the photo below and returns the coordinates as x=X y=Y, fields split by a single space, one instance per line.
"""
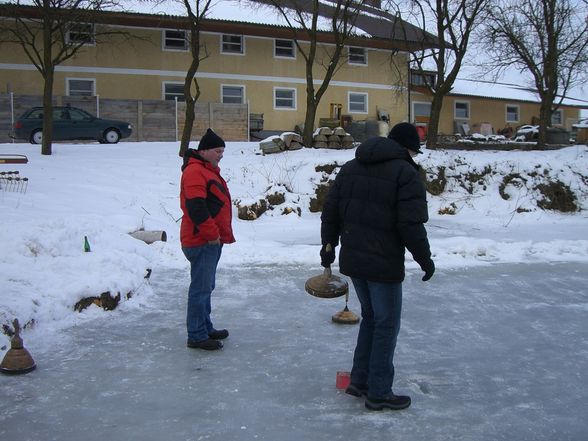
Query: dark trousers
x=373 y=360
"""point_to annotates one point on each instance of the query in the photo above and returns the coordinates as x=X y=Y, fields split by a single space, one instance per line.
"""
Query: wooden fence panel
x=152 y=120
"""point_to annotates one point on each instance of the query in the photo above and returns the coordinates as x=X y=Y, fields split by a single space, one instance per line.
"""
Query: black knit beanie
x=210 y=140
x=406 y=135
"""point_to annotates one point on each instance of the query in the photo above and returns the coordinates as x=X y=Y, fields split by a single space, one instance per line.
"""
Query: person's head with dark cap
x=210 y=140
x=211 y=147
x=406 y=135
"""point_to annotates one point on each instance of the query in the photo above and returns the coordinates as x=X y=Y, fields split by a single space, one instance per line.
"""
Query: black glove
x=429 y=269
x=327 y=256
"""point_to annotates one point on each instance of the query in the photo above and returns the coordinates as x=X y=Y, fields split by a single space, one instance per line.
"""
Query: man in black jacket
x=378 y=207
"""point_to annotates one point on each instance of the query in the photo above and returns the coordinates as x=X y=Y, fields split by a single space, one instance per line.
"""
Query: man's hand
x=429 y=269
x=327 y=255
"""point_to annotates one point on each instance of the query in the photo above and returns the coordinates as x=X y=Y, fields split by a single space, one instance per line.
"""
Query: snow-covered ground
x=105 y=192
x=492 y=348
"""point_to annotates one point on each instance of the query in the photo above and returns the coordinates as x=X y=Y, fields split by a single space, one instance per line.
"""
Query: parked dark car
x=70 y=123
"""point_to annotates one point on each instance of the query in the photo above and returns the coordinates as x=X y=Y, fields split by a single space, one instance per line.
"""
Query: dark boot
x=394 y=402
x=218 y=334
x=208 y=344
x=357 y=390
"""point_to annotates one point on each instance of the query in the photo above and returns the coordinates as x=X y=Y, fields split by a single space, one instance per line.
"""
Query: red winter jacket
x=205 y=202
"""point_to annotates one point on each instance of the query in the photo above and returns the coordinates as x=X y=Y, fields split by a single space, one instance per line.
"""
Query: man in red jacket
x=206 y=227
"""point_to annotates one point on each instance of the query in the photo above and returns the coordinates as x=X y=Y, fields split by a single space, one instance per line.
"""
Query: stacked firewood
x=285 y=141
x=327 y=138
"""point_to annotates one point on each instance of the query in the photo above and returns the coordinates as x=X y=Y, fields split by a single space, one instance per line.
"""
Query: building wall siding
x=136 y=70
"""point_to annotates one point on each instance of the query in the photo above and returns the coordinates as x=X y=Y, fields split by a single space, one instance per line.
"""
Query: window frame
x=415 y=103
x=287 y=57
x=68 y=88
x=165 y=38
x=561 y=118
x=469 y=110
x=91 y=32
x=294 y=98
x=235 y=86
x=356 y=63
x=241 y=44
x=164 y=93
x=366 y=102
x=422 y=79
x=518 y=113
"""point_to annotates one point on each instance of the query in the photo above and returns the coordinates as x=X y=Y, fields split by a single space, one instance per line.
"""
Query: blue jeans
x=203 y=262
x=373 y=360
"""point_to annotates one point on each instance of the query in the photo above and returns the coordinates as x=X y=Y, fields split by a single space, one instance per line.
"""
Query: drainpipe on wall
x=12 y=112
x=248 y=124
x=408 y=88
x=176 y=102
x=98 y=106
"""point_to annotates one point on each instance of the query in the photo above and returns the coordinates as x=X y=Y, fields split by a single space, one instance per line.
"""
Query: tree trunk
x=433 y=128
x=190 y=103
x=188 y=124
x=47 y=112
x=309 y=123
x=544 y=121
x=49 y=76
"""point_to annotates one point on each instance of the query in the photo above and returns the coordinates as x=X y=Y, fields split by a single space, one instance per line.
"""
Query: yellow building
x=482 y=106
x=245 y=63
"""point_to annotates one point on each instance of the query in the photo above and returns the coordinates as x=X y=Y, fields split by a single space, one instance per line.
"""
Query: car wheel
x=37 y=137
x=111 y=136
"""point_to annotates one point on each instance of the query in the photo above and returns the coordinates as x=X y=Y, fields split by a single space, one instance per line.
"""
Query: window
x=357 y=102
x=557 y=118
x=512 y=113
x=284 y=49
x=284 y=98
x=232 y=44
x=79 y=115
x=173 y=90
x=462 y=110
x=175 y=40
x=422 y=79
x=81 y=33
x=421 y=111
x=357 y=55
x=232 y=94
x=80 y=87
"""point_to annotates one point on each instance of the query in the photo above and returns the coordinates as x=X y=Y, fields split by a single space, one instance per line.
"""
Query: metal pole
x=248 y=122
x=12 y=111
x=98 y=106
x=408 y=87
x=176 y=101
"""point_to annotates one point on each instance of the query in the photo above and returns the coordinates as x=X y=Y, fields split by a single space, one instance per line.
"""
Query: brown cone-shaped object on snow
x=345 y=316
x=17 y=360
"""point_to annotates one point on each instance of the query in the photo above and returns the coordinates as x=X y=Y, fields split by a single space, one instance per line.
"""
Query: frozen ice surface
x=486 y=353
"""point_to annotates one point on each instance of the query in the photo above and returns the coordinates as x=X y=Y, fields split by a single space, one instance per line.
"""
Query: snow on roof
x=489 y=89
x=244 y=11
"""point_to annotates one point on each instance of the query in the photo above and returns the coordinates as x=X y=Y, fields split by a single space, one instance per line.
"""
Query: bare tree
x=453 y=22
x=198 y=53
x=546 y=38
x=50 y=32
x=303 y=17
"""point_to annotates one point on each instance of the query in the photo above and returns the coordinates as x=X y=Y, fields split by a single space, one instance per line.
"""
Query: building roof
x=487 y=89
x=373 y=28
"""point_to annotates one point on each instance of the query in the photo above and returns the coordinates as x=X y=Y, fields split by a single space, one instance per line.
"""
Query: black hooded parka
x=378 y=207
